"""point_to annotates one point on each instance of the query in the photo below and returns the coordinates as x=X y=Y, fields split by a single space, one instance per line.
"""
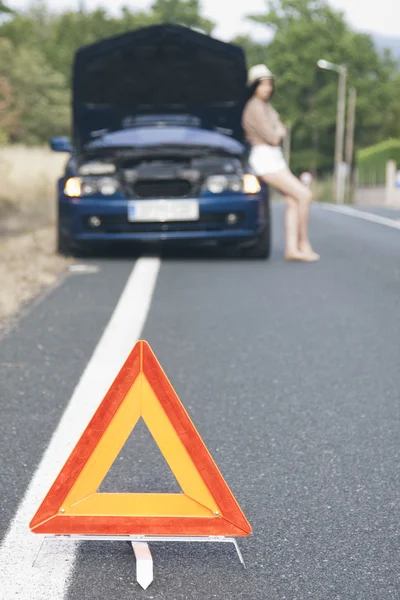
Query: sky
x=381 y=16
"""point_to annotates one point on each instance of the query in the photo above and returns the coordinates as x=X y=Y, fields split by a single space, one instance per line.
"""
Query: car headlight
x=73 y=187
x=248 y=184
x=89 y=186
x=235 y=184
x=107 y=186
x=217 y=184
x=251 y=185
x=77 y=187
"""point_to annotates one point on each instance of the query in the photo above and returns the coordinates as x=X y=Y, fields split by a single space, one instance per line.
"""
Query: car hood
x=165 y=70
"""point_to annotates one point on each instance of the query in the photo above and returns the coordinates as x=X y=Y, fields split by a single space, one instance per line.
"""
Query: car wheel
x=262 y=248
x=63 y=243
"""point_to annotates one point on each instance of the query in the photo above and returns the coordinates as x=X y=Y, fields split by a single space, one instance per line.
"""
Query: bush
x=371 y=162
x=34 y=99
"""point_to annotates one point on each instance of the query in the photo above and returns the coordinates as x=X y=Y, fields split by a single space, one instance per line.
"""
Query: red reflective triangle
x=207 y=506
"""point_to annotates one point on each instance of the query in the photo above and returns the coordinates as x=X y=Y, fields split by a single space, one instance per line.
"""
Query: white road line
x=48 y=580
x=366 y=216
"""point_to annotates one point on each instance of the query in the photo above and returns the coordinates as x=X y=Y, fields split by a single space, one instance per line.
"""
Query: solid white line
x=48 y=579
x=366 y=216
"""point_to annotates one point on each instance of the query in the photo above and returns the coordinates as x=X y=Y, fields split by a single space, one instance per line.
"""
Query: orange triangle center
x=140 y=467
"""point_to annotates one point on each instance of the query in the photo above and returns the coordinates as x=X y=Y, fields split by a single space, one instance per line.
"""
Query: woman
x=264 y=131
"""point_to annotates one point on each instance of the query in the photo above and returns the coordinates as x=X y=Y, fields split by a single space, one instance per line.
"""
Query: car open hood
x=165 y=70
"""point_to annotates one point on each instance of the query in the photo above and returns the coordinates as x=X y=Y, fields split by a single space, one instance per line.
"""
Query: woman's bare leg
x=291 y=228
x=286 y=183
x=304 y=240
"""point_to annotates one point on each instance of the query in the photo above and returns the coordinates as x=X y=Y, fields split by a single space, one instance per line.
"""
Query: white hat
x=257 y=73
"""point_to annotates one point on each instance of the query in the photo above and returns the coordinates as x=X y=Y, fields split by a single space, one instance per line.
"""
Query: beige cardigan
x=261 y=123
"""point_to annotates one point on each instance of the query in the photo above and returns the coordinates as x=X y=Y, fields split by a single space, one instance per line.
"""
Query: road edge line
x=364 y=215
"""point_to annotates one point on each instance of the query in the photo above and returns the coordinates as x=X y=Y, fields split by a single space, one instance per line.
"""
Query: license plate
x=161 y=211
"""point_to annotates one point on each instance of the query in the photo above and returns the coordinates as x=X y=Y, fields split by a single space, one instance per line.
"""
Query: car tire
x=262 y=248
x=63 y=244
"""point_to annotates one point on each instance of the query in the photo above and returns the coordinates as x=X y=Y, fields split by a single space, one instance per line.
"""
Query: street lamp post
x=351 y=115
x=340 y=166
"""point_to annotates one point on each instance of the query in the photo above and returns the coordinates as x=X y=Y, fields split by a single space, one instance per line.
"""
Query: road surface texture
x=291 y=375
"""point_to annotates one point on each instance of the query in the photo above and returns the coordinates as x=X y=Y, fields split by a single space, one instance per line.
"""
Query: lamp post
x=351 y=118
x=340 y=166
x=351 y=115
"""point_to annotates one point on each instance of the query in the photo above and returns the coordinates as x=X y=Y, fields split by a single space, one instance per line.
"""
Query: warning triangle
x=206 y=507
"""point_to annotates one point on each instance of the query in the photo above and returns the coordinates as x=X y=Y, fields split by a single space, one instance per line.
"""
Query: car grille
x=164 y=188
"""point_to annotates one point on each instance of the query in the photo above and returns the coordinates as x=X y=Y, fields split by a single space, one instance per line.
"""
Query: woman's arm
x=258 y=124
x=280 y=127
x=282 y=131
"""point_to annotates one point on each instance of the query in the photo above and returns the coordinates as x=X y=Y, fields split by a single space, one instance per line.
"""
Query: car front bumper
x=212 y=225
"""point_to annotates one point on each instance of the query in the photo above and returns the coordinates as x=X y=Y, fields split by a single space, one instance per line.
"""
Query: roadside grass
x=28 y=265
x=28 y=186
x=28 y=260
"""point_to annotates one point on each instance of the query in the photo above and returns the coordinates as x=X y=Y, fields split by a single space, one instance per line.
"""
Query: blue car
x=158 y=154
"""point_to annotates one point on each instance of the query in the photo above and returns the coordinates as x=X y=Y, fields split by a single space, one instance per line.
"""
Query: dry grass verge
x=28 y=265
x=28 y=261
x=28 y=186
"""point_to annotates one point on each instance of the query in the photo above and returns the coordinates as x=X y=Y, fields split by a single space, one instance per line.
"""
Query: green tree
x=4 y=8
x=34 y=98
x=256 y=52
x=183 y=12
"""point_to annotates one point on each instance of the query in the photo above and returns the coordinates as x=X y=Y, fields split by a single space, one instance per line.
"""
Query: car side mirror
x=61 y=144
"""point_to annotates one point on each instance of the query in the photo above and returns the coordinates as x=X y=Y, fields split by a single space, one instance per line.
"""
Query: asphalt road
x=290 y=373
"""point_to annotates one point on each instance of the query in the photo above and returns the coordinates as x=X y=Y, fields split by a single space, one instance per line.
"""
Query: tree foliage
x=33 y=98
x=183 y=12
x=5 y=9
x=372 y=161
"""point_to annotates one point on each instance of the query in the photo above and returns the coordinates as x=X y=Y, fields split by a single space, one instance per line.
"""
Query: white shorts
x=266 y=159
